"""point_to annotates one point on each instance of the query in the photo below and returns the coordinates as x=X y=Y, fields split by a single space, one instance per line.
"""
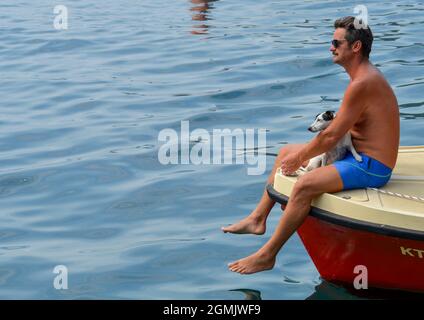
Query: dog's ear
x=329 y=115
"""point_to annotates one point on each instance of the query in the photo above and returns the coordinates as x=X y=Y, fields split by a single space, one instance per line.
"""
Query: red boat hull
x=391 y=262
x=341 y=247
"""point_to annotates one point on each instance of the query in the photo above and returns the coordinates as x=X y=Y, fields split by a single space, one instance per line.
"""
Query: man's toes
x=229 y=228
x=242 y=270
x=238 y=269
x=235 y=269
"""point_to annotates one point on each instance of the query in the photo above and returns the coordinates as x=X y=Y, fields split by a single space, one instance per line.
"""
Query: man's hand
x=290 y=163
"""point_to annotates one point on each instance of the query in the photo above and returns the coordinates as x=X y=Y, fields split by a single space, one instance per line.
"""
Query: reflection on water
x=337 y=291
x=250 y=294
x=200 y=10
x=330 y=291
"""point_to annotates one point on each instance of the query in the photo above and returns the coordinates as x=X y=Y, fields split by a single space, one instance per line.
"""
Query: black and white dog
x=321 y=122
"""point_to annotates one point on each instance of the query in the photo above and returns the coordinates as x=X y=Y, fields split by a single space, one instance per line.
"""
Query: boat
x=379 y=229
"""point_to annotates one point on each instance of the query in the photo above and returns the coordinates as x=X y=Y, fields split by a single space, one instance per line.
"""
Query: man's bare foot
x=254 y=263
x=249 y=224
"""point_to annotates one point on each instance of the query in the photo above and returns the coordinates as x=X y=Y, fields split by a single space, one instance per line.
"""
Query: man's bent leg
x=309 y=186
x=255 y=223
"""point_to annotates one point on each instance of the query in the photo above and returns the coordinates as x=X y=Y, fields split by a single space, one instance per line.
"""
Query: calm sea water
x=81 y=109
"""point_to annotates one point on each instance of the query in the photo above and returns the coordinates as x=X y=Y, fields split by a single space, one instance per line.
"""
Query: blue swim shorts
x=357 y=175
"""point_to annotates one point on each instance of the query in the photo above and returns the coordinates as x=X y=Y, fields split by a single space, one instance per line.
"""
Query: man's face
x=342 y=52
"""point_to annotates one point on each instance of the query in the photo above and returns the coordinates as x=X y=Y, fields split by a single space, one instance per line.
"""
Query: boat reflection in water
x=330 y=291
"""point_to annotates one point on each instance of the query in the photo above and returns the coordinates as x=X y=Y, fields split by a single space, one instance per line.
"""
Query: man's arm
x=351 y=109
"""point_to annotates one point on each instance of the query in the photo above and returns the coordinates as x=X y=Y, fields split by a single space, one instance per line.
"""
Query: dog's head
x=322 y=121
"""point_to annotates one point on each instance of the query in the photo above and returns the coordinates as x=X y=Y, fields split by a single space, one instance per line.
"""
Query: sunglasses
x=336 y=42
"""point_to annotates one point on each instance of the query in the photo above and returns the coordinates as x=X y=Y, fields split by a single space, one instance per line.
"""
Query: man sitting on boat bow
x=371 y=113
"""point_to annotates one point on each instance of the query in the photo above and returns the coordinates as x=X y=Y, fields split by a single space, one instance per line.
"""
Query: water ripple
x=80 y=180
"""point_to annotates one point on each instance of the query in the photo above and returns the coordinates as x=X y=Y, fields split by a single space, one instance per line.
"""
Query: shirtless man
x=370 y=111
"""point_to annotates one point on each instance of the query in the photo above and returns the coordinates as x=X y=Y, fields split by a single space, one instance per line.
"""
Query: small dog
x=321 y=122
